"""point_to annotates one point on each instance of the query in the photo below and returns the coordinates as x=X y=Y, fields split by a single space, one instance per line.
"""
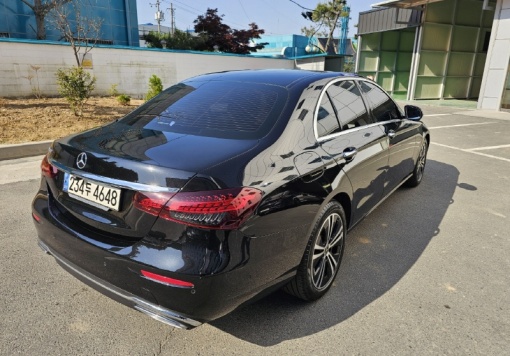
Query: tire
x=323 y=255
x=419 y=168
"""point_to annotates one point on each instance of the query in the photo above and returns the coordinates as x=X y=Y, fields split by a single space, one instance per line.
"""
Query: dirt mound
x=25 y=120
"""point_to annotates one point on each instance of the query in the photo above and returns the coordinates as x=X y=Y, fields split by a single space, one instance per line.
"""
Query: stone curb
x=24 y=150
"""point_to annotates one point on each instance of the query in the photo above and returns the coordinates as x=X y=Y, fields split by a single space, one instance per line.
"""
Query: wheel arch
x=345 y=201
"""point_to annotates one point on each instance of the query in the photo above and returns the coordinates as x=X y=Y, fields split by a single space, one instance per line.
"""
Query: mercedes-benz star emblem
x=81 y=160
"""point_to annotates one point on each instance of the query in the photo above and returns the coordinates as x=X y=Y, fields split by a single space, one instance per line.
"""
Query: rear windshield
x=212 y=108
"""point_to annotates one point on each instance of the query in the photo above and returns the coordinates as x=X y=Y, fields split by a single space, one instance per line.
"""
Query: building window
x=90 y=40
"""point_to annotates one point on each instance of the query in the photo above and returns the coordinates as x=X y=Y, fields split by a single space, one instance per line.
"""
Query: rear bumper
x=157 y=312
x=225 y=268
x=115 y=270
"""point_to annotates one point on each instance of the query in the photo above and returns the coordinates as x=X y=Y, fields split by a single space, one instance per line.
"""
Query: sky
x=276 y=17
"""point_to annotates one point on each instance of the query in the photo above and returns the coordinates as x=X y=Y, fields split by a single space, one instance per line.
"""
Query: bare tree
x=41 y=8
x=81 y=31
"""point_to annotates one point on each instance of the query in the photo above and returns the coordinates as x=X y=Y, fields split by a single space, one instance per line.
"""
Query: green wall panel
x=488 y=17
x=468 y=13
x=451 y=62
x=370 y=42
x=440 y=12
x=366 y=74
x=460 y=64
x=464 y=39
x=432 y=63
x=401 y=82
x=481 y=38
x=404 y=62
x=476 y=83
x=385 y=80
x=479 y=64
x=456 y=88
x=435 y=37
x=505 y=100
x=389 y=41
x=368 y=61
x=407 y=40
x=387 y=57
x=399 y=95
x=428 y=88
x=387 y=62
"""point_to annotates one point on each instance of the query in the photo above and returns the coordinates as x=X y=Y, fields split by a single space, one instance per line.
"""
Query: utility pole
x=159 y=16
x=172 y=19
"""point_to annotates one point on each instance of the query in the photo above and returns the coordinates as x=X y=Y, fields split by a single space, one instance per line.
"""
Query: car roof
x=281 y=77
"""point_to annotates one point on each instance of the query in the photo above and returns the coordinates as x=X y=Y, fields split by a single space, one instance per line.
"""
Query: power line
x=196 y=12
x=186 y=10
x=278 y=11
x=191 y=7
x=304 y=8
x=242 y=7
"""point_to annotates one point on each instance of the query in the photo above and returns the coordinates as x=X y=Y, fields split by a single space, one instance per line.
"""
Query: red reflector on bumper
x=166 y=280
x=36 y=217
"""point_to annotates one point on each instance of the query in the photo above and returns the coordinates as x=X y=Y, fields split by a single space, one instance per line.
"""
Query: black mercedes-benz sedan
x=226 y=186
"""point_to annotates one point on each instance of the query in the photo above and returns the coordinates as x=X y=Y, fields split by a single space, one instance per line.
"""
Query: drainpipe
x=358 y=55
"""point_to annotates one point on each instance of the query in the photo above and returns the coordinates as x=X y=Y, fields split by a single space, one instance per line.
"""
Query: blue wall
x=120 y=22
x=295 y=45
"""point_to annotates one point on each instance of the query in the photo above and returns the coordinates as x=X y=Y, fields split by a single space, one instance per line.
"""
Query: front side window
x=349 y=104
x=383 y=108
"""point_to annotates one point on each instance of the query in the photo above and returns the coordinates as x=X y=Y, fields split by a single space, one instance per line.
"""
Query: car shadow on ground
x=379 y=252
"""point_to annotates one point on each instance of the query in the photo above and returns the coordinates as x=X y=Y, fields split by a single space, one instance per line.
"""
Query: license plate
x=99 y=195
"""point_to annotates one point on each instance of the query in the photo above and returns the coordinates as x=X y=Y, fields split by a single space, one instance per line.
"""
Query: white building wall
x=130 y=69
x=498 y=58
x=312 y=63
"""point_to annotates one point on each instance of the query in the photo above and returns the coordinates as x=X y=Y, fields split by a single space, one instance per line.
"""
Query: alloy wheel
x=327 y=252
x=422 y=159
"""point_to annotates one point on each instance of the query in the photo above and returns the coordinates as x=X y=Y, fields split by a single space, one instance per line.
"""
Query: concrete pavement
x=20 y=169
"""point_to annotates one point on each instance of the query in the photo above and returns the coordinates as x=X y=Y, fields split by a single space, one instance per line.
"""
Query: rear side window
x=327 y=122
x=349 y=104
x=383 y=108
x=213 y=108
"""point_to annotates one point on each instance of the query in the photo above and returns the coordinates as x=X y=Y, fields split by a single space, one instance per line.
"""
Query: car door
x=401 y=133
x=346 y=132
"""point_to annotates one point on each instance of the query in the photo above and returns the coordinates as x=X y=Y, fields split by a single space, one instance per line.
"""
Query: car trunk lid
x=121 y=161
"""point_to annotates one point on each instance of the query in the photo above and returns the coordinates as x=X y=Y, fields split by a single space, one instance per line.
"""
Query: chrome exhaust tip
x=164 y=315
x=43 y=247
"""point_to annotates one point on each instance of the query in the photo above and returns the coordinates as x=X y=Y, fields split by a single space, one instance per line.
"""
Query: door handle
x=391 y=134
x=349 y=153
x=317 y=174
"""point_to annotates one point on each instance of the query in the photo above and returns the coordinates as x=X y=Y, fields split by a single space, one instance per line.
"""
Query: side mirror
x=413 y=112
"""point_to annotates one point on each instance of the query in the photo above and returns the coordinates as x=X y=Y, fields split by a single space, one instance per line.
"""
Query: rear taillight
x=218 y=209
x=47 y=169
x=151 y=203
